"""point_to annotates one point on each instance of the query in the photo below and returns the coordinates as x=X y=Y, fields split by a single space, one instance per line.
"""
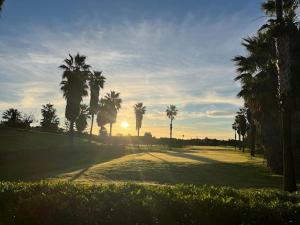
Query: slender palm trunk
x=171 y=129
x=234 y=139
x=138 y=132
x=240 y=148
x=284 y=71
x=92 y=123
x=110 y=129
x=289 y=180
x=243 y=140
x=253 y=134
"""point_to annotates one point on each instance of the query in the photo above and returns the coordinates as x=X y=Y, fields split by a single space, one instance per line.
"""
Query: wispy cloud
x=157 y=62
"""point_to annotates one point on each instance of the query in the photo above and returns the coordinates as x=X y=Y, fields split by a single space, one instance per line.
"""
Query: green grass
x=55 y=203
x=32 y=156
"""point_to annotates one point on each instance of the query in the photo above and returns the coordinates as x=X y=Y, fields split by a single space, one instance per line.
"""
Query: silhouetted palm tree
x=139 y=111
x=242 y=125
x=171 y=113
x=282 y=24
x=50 y=120
x=12 y=117
x=113 y=104
x=81 y=121
x=96 y=82
x=234 y=127
x=74 y=86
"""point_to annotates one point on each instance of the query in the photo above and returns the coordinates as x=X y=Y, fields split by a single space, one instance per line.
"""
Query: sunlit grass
x=35 y=156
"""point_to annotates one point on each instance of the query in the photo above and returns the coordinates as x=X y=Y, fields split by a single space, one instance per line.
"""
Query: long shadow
x=31 y=165
x=192 y=157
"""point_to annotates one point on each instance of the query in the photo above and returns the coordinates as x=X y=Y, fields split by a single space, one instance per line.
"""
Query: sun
x=124 y=124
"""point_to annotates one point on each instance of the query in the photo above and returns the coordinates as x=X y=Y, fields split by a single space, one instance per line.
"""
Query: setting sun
x=124 y=124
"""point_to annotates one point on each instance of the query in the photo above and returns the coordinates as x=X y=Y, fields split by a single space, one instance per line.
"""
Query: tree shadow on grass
x=30 y=165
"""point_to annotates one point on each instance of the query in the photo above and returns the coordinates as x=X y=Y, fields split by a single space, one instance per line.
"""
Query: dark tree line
x=269 y=77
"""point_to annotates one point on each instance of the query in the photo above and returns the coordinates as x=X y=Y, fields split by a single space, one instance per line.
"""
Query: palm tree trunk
x=284 y=71
x=240 y=147
x=92 y=122
x=243 y=140
x=253 y=134
x=110 y=129
x=234 y=139
x=138 y=130
x=171 y=128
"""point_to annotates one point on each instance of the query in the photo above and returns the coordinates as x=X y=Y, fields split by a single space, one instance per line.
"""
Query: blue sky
x=159 y=52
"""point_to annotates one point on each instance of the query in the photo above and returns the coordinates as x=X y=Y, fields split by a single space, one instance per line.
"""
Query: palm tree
x=12 y=117
x=238 y=130
x=113 y=104
x=96 y=82
x=282 y=24
x=74 y=86
x=242 y=124
x=50 y=120
x=139 y=111
x=171 y=114
x=81 y=121
x=234 y=127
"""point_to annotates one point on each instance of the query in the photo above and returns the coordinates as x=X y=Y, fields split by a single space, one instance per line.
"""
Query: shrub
x=132 y=204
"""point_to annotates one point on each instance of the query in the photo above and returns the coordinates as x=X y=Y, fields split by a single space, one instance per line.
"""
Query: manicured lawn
x=31 y=156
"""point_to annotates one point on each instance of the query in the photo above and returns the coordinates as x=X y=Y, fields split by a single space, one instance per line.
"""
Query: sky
x=158 y=52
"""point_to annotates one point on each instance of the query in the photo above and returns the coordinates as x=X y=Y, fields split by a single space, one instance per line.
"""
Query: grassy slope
x=33 y=156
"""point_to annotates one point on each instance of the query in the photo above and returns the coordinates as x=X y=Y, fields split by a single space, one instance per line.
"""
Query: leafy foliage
x=50 y=120
x=66 y=203
x=81 y=121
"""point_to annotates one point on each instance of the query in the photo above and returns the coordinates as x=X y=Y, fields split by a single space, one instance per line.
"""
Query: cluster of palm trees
x=269 y=77
x=77 y=80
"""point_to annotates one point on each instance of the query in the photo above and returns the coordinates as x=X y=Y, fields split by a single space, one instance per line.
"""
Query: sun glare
x=124 y=124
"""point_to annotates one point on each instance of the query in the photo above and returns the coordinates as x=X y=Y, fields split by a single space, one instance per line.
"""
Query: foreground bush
x=131 y=204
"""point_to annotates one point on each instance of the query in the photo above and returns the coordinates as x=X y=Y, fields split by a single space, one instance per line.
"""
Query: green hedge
x=132 y=204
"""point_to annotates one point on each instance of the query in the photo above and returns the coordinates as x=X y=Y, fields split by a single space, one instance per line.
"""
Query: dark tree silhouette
x=96 y=82
x=242 y=125
x=81 y=121
x=112 y=103
x=139 y=110
x=50 y=120
x=234 y=127
x=102 y=116
x=1 y=4
x=74 y=86
x=171 y=114
x=12 y=117
x=284 y=69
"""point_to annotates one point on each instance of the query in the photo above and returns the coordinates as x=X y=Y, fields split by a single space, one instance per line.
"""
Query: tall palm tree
x=282 y=24
x=171 y=114
x=96 y=82
x=284 y=70
x=234 y=127
x=113 y=104
x=242 y=125
x=139 y=110
x=74 y=86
